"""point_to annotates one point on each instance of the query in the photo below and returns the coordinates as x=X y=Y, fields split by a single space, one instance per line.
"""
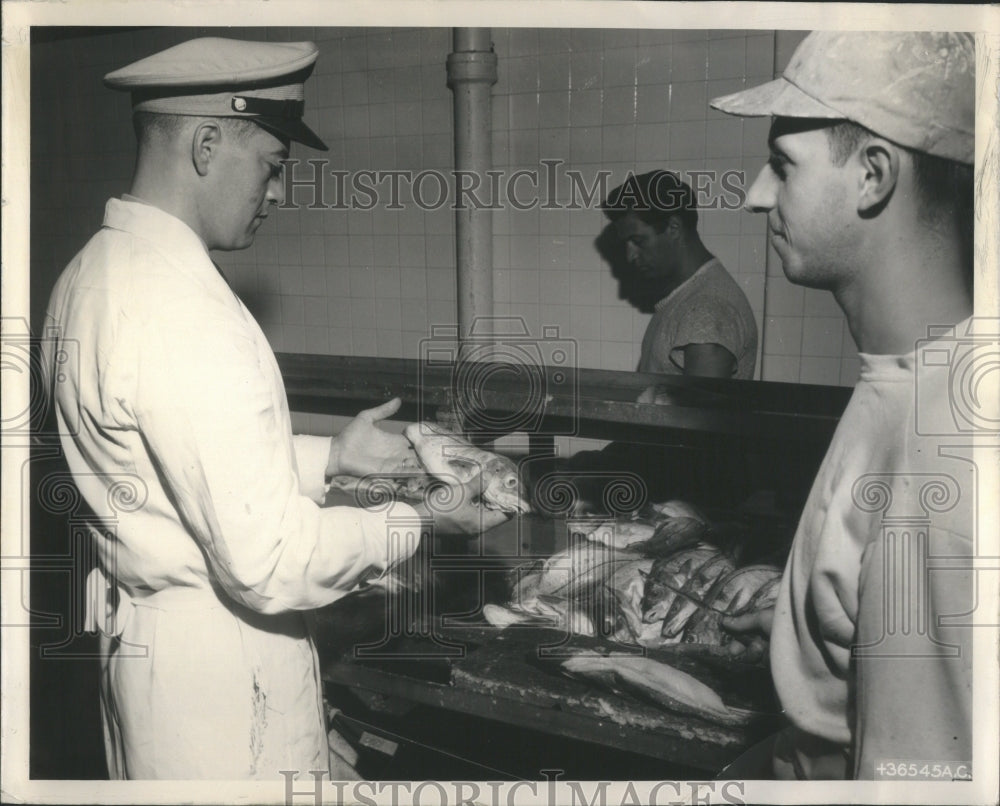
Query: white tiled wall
x=615 y=101
x=373 y=282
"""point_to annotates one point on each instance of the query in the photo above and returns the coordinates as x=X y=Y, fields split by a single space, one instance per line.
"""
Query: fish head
x=707 y=630
x=656 y=584
x=502 y=489
x=656 y=609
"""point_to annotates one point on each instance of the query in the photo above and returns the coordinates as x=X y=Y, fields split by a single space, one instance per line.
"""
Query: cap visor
x=779 y=98
x=292 y=129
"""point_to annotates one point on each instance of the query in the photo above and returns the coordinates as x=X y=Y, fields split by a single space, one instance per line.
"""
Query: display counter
x=758 y=445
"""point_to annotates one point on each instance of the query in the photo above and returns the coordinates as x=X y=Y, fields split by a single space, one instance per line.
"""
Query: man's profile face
x=808 y=204
x=248 y=180
x=650 y=254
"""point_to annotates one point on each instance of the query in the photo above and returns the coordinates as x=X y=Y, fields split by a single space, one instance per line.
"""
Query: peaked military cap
x=215 y=77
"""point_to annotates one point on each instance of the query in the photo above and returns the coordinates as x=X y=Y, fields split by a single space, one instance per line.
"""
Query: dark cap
x=214 y=77
x=653 y=197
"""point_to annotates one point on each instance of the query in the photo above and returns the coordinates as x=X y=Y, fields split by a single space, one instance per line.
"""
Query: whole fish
x=668 y=575
x=581 y=565
x=617 y=532
x=603 y=600
x=693 y=592
x=439 y=456
x=527 y=584
x=629 y=628
x=764 y=598
x=660 y=682
x=705 y=627
x=556 y=611
x=738 y=588
x=671 y=535
x=730 y=594
x=677 y=509
x=447 y=455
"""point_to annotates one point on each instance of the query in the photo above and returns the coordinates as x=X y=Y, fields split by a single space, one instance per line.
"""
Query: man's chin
x=804 y=276
x=235 y=246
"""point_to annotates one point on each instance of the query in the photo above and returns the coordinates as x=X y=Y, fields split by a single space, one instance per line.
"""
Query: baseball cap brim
x=779 y=98
x=293 y=129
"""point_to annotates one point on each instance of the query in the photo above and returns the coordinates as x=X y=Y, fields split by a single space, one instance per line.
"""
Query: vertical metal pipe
x=472 y=70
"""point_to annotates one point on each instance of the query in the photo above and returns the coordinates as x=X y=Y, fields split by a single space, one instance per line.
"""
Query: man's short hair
x=945 y=187
x=150 y=125
x=653 y=198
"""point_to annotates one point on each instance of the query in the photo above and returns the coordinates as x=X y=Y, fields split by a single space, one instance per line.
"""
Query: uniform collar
x=132 y=214
x=175 y=239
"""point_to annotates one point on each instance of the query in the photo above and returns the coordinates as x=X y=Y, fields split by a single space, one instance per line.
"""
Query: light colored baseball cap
x=916 y=89
x=215 y=77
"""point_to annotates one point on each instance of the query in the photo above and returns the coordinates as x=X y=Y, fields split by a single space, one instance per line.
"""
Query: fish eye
x=511 y=482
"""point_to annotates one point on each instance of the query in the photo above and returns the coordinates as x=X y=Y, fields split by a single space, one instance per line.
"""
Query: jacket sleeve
x=312 y=455
x=209 y=405
x=913 y=662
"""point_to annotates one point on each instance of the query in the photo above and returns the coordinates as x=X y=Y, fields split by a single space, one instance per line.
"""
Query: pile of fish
x=663 y=576
x=440 y=458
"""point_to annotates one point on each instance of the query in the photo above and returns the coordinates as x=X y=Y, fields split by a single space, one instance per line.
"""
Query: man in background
x=868 y=193
x=702 y=322
x=702 y=325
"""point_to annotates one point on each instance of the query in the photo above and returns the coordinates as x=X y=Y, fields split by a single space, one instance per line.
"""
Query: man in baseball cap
x=868 y=194
x=208 y=669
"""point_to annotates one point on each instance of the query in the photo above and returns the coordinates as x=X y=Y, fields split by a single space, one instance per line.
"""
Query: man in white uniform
x=209 y=532
x=868 y=193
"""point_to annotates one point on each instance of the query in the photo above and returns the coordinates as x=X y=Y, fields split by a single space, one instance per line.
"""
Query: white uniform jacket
x=175 y=425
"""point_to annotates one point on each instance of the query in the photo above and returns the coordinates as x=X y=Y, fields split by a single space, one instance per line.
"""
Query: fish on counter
x=699 y=582
x=753 y=587
x=643 y=583
x=664 y=684
x=619 y=533
x=672 y=535
x=676 y=509
x=667 y=576
x=441 y=456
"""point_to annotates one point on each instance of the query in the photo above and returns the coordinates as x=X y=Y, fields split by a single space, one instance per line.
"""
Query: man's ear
x=880 y=163
x=205 y=143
